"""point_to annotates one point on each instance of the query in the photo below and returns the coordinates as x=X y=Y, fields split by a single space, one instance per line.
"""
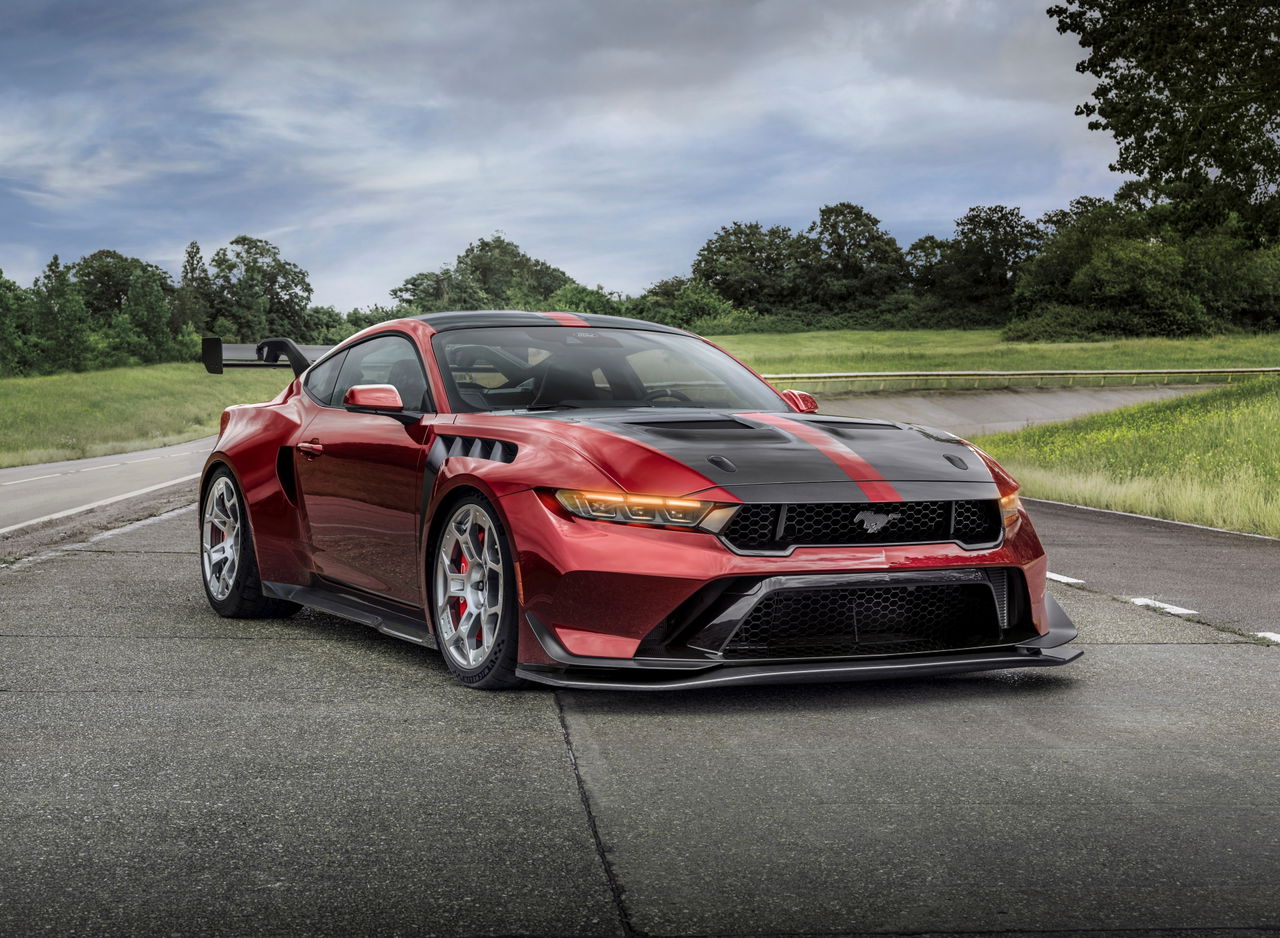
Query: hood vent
x=722 y=431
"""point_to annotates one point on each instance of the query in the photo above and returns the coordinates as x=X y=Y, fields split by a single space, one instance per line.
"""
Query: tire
x=473 y=603
x=228 y=564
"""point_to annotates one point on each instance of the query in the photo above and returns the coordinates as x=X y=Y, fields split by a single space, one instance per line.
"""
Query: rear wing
x=266 y=354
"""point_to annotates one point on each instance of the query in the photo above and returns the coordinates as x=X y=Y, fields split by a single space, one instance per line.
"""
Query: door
x=360 y=474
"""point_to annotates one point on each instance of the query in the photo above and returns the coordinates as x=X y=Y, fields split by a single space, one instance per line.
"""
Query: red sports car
x=591 y=501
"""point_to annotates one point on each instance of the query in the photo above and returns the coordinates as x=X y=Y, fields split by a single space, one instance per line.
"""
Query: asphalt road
x=165 y=771
x=1225 y=578
x=50 y=490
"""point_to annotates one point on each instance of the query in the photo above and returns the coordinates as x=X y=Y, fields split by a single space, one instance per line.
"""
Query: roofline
x=446 y=321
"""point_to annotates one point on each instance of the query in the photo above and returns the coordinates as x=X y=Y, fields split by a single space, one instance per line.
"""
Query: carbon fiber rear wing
x=266 y=354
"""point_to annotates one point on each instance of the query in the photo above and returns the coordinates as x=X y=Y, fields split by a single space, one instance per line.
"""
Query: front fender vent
x=471 y=447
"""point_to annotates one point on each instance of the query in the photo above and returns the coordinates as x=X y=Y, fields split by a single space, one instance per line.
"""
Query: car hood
x=758 y=457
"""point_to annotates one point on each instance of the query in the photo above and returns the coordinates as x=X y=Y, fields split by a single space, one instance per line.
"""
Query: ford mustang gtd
x=590 y=501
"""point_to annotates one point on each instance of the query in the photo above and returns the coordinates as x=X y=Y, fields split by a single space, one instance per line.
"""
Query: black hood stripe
x=873 y=484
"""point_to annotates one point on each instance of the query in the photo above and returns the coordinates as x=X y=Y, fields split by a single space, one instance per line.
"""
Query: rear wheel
x=227 y=559
x=473 y=596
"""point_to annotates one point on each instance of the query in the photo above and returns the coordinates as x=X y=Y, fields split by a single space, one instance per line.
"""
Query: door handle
x=311 y=450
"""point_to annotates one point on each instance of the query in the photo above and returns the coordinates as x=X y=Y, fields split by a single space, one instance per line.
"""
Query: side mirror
x=802 y=402
x=379 y=397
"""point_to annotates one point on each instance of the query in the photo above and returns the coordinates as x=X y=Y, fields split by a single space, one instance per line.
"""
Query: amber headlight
x=634 y=509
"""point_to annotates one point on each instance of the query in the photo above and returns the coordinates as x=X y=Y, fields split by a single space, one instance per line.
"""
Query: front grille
x=867 y=620
x=780 y=527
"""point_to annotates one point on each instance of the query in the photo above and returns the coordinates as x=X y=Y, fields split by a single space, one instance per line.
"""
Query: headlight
x=634 y=509
x=1009 y=505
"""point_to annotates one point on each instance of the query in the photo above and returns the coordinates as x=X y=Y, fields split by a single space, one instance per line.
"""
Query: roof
x=480 y=318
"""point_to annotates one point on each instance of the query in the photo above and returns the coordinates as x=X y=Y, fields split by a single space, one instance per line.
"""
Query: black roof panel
x=480 y=318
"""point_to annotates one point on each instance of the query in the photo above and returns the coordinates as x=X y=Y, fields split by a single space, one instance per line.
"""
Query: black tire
x=235 y=593
x=493 y=668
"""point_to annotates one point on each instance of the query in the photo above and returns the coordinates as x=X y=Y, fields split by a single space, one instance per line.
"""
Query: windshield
x=552 y=367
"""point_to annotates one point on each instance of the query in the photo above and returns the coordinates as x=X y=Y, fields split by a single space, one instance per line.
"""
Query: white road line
x=110 y=465
x=1164 y=607
x=1059 y=578
x=130 y=462
x=1269 y=636
x=98 y=504
x=32 y=479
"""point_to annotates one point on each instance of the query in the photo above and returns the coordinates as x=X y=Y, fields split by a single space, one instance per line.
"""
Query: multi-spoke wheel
x=472 y=595
x=226 y=554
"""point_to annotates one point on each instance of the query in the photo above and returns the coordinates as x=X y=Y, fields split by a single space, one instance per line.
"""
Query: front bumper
x=642 y=673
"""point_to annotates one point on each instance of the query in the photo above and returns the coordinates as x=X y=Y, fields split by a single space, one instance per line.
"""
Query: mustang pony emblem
x=874 y=521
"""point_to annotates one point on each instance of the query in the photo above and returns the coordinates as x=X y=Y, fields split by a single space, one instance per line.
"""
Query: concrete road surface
x=972 y=413
x=165 y=771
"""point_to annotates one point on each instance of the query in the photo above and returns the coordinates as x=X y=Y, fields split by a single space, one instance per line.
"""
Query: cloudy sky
x=609 y=137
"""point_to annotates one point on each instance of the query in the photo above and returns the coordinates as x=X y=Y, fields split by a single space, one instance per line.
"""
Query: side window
x=388 y=359
x=321 y=379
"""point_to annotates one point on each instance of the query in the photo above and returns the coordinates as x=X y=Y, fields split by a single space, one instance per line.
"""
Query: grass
x=982 y=350
x=120 y=410
x=1211 y=458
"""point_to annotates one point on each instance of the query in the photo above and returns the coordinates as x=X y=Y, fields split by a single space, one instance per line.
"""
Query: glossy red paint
x=595 y=644
x=801 y=401
x=373 y=397
x=569 y=319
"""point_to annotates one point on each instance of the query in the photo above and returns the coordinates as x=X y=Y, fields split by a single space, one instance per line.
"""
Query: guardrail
x=829 y=382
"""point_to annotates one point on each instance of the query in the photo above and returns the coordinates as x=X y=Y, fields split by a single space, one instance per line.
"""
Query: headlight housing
x=635 y=509
x=1009 y=506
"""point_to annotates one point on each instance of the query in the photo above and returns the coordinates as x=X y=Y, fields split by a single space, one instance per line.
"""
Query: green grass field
x=120 y=410
x=124 y=409
x=982 y=350
x=1211 y=458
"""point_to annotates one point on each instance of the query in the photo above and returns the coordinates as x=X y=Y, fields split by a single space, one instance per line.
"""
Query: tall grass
x=1211 y=458
x=120 y=410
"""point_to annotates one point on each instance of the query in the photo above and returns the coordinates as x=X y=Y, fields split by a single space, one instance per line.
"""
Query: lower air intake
x=867 y=620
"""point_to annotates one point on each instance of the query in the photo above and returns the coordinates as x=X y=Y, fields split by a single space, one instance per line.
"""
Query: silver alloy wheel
x=468 y=586
x=220 y=537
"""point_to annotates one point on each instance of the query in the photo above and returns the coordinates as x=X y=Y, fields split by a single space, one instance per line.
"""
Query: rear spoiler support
x=266 y=354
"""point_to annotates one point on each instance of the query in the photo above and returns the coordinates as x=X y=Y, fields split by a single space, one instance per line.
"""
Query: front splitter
x=833 y=671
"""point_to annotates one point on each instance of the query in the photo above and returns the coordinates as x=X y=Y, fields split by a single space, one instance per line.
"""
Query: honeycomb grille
x=867 y=620
x=778 y=527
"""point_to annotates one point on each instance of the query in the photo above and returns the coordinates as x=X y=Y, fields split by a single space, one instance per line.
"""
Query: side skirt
x=391 y=619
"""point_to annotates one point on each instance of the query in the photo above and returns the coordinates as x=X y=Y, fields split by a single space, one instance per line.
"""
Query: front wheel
x=227 y=560
x=473 y=596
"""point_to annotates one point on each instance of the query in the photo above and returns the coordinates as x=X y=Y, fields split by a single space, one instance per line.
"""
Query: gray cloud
x=371 y=141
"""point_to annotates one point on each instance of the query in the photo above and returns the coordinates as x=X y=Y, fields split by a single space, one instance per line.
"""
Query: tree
x=57 y=322
x=491 y=272
x=990 y=243
x=13 y=360
x=193 y=300
x=854 y=263
x=752 y=266
x=1189 y=90
x=575 y=298
x=105 y=278
x=256 y=293
x=146 y=311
